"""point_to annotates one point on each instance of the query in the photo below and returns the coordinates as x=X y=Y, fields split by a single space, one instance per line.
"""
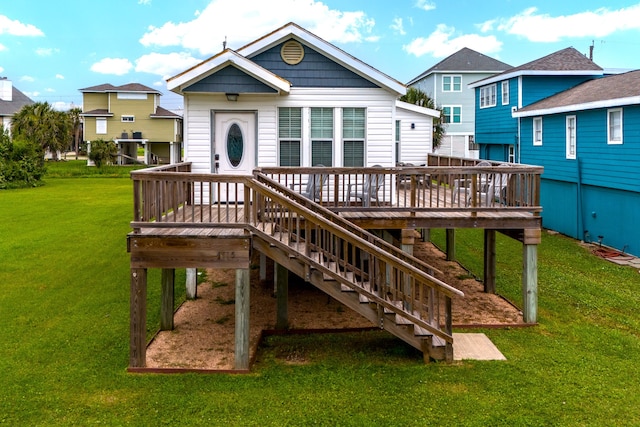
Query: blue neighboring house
x=496 y=131
x=588 y=140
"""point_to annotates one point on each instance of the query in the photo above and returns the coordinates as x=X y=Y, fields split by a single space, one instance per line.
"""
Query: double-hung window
x=451 y=83
x=451 y=113
x=397 y=133
x=537 y=131
x=571 y=137
x=353 y=133
x=101 y=125
x=488 y=96
x=614 y=126
x=322 y=136
x=289 y=135
x=505 y=93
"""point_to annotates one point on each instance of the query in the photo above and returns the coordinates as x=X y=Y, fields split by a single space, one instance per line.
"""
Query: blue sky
x=51 y=49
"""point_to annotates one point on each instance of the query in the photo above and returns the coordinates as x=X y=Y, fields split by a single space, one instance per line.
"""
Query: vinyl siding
x=415 y=143
x=379 y=106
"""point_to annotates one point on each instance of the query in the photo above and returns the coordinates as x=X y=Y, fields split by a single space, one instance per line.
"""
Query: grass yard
x=64 y=308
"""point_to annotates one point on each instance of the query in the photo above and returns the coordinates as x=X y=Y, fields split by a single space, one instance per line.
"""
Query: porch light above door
x=232 y=96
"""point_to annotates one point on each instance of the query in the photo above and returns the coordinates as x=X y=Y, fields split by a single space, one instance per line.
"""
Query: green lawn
x=64 y=339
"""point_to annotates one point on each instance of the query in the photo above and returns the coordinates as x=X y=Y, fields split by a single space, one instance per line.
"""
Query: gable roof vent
x=292 y=52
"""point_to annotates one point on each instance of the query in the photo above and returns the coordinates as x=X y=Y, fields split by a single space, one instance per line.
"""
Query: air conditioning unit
x=137 y=135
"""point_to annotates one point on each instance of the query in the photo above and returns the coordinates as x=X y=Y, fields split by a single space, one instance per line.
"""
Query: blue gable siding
x=230 y=80
x=495 y=129
x=598 y=193
x=315 y=70
x=535 y=88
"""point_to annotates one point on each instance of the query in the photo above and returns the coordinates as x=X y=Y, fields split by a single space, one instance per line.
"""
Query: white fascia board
x=609 y=103
x=228 y=57
x=417 y=109
x=507 y=76
x=331 y=51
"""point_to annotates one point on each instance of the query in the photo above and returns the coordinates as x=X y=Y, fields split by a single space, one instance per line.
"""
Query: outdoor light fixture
x=232 y=96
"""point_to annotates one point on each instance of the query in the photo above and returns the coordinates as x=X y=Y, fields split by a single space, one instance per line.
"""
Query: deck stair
x=392 y=289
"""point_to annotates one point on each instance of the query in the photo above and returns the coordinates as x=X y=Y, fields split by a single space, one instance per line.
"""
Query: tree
x=103 y=152
x=43 y=125
x=418 y=97
x=21 y=162
x=76 y=127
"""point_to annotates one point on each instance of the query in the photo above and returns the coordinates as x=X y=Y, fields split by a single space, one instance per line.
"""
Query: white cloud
x=425 y=5
x=41 y=51
x=116 y=66
x=50 y=90
x=398 y=27
x=165 y=65
x=2 y=47
x=62 y=106
x=59 y=76
x=443 y=42
x=32 y=94
x=144 y=2
x=206 y=32
x=17 y=28
x=541 y=27
x=27 y=79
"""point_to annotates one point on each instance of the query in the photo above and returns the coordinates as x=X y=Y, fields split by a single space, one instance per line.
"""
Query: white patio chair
x=369 y=190
x=315 y=182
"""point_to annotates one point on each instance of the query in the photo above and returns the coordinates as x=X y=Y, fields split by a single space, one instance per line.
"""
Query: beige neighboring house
x=11 y=101
x=131 y=116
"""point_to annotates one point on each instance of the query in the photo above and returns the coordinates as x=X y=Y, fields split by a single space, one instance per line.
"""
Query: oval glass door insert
x=235 y=145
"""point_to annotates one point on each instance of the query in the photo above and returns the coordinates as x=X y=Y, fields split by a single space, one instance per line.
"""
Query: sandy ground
x=203 y=337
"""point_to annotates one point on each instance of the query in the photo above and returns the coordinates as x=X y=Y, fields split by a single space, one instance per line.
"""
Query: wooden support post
x=425 y=233
x=138 y=318
x=263 y=267
x=243 y=287
x=167 y=299
x=192 y=283
x=451 y=244
x=490 y=261
x=282 y=296
x=530 y=283
x=406 y=244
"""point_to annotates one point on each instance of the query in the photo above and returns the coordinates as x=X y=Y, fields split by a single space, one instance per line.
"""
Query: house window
x=571 y=137
x=614 y=119
x=488 y=96
x=505 y=93
x=451 y=83
x=537 y=131
x=322 y=136
x=451 y=113
x=128 y=119
x=511 y=154
x=397 y=140
x=289 y=135
x=101 y=125
x=353 y=132
x=472 y=144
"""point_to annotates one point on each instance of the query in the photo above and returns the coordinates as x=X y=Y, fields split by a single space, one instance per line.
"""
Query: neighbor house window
x=451 y=113
x=614 y=119
x=353 y=132
x=511 y=154
x=129 y=119
x=571 y=137
x=451 y=83
x=488 y=96
x=289 y=135
x=537 y=131
x=322 y=136
x=101 y=125
x=505 y=93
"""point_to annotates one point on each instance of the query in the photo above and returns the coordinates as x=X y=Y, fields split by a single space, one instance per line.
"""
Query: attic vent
x=292 y=52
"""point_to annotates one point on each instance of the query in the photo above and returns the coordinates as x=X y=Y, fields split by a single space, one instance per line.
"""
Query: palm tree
x=76 y=126
x=41 y=124
x=418 y=97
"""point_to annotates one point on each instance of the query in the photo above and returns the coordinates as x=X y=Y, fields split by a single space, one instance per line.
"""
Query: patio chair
x=492 y=188
x=462 y=187
x=370 y=188
x=313 y=188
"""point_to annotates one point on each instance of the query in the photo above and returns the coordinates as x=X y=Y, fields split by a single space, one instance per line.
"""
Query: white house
x=292 y=99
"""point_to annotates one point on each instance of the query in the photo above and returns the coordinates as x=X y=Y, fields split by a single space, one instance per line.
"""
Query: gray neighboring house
x=11 y=101
x=446 y=83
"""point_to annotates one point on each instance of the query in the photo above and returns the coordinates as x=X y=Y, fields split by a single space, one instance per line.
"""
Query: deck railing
x=465 y=187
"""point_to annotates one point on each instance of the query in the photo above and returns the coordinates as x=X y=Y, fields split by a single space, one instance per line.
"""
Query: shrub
x=21 y=162
x=103 y=152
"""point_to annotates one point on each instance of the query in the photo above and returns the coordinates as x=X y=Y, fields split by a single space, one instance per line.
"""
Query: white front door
x=234 y=149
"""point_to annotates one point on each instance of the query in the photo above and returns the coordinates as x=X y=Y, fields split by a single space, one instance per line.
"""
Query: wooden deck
x=187 y=220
